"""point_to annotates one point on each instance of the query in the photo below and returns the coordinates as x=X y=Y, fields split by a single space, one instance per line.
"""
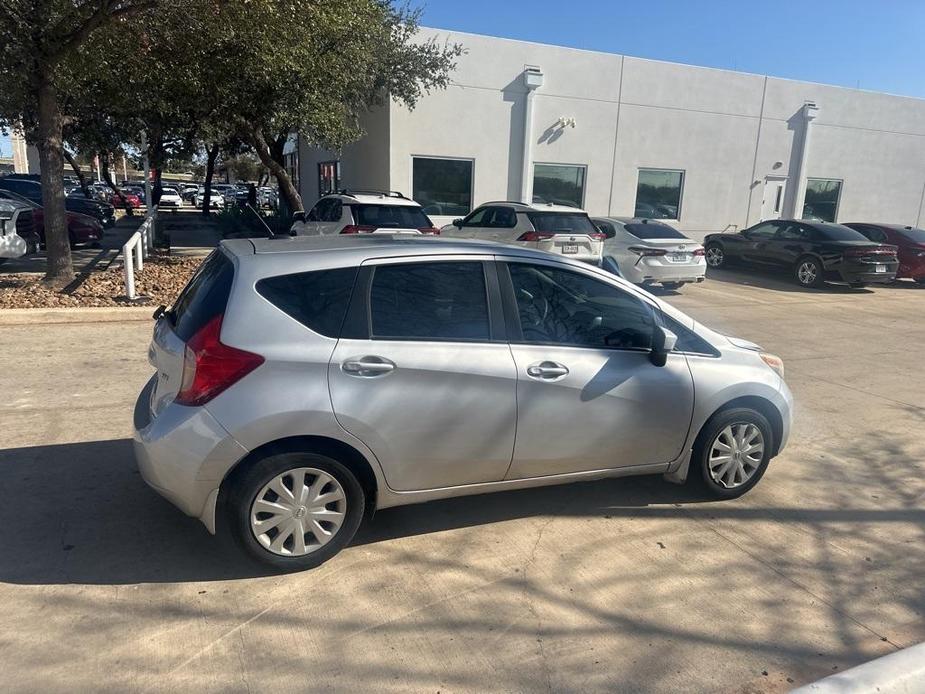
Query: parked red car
x=909 y=240
x=81 y=228
x=132 y=201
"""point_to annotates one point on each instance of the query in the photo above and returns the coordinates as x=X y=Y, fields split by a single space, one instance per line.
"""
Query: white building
x=621 y=136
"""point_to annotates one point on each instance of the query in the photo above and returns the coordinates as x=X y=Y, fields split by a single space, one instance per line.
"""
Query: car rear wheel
x=808 y=272
x=715 y=255
x=294 y=511
x=920 y=280
x=732 y=452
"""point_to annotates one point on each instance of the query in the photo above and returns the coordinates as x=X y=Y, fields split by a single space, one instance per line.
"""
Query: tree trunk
x=104 y=167
x=59 y=269
x=290 y=195
x=81 y=178
x=210 y=172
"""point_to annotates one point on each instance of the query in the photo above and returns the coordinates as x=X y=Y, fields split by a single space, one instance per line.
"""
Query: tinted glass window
x=562 y=185
x=562 y=222
x=654 y=230
x=568 y=308
x=794 y=232
x=390 y=216
x=688 y=340
x=436 y=301
x=442 y=186
x=914 y=235
x=837 y=232
x=872 y=233
x=204 y=297
x=318 y=300
x=658 y=194
x=821 y=202
x=764 y=231
x=478 y=218
x=504 y=218
x=605 y=227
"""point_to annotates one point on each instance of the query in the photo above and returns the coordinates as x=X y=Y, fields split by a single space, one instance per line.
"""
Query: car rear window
x=914 y=235
x=837 y=232
x=391 y=216
x=654 y=230
x=562 y=222
x=204 y=297
x=318 y=299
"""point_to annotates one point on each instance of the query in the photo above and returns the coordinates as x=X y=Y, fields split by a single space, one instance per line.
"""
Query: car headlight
x=774 y=361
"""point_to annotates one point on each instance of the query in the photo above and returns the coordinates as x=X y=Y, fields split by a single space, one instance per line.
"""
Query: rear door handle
x=367 y=366
x=547 y=371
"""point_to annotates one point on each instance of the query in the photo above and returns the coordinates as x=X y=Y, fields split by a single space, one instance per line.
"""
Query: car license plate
x=880 y=268
x=678 y=257
x=570 y=248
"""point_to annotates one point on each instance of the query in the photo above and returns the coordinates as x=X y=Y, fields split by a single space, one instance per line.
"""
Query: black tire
x=716 y=256
x=244 y=488
x=857 y=285
x=3 y=260
x=672 y=285
x=920 y=280
x=699 y=472
x=808 y=272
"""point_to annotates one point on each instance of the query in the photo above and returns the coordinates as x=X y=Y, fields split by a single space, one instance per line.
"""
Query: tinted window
x=562 y=185
x=442 y=186
x=821 y=201
x=873 y=233
x=837 y=232
x=562 y=222
x=688 y=340
x=438 y=301
x=562 y=307
x=764 y=231
x=914 y=235
x=605 y=227
x=795 y=232
x=477 y=218
x=654 y=230
x=204 y=297
x=503 y=218
x=318 y=300
x=658 y=194
x=390 y=216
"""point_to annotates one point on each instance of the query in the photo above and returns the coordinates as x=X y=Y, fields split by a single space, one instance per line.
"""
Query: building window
x=291 y=164
x=658 y=194
x=562 y=185
x=328 y=177
x=821 y=201
x=443 y=187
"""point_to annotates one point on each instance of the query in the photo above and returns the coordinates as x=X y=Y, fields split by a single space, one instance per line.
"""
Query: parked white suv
x=557 y=229
x=364 y=212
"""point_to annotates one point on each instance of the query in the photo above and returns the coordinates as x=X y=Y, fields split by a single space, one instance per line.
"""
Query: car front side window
x=562 y=307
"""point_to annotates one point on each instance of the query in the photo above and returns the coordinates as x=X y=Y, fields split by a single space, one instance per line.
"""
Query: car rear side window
x=562 y=222
x=430 y=301
x=204 y=297
x=318 y=299
x=391 y=216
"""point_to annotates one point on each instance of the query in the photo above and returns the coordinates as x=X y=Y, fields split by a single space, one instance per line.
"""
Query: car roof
x=373 y=198
x=534 y=207
x=360 y=247
x=894 y=227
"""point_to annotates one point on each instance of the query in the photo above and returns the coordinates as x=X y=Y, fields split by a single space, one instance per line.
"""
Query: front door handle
x=367 y=366
x=547 y=371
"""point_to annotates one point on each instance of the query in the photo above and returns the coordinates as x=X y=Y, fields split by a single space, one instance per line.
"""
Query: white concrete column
x=533 y=80
x=798 y=177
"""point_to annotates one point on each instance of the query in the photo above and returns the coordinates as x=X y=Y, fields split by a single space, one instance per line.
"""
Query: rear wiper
x=163 y=312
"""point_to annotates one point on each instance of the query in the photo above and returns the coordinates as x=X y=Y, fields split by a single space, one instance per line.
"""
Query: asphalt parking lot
x=621 y=585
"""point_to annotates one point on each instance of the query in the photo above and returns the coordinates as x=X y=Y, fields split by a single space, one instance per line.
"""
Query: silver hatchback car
x=304 y=382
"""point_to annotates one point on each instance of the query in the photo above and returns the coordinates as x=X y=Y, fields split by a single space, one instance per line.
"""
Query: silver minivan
x=304 y=382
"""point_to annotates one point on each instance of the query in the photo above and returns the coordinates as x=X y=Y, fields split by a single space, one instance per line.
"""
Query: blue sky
x=877 y=44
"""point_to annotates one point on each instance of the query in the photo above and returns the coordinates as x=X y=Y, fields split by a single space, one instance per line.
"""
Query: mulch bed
x=161 y=281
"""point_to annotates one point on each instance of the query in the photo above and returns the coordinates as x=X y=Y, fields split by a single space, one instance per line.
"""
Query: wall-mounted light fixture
x=566 y=122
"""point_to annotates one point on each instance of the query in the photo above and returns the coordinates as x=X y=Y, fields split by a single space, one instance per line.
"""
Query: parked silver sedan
x=304 y=382
x=649 y=252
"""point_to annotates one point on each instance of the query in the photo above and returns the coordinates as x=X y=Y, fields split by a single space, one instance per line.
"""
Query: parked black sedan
x=30 y=188
x=815 y=252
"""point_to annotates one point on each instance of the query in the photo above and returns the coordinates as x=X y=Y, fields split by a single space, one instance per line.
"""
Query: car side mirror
x=663 y=342
x=458 y=223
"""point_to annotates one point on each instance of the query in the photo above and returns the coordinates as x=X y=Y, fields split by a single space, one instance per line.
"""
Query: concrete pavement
x=620 y=585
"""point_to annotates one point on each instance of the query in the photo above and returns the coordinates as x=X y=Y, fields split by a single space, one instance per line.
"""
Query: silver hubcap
x=298 y=512
x=736 y=454
x=807 y=272
x=714 y=257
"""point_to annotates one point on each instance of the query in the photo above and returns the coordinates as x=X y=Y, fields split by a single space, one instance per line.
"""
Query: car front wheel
x=732 y=452
x=294 y=511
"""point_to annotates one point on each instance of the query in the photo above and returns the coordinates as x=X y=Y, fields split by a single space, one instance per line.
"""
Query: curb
x=50 y=316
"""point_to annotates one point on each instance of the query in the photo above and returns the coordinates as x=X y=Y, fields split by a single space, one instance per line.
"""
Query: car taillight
x=209 y=367
x=358 y=229
x=535 y=236
x=598 y=236
x=647 y=252
x=699 y=251
x=433 y=231
x=859 y=252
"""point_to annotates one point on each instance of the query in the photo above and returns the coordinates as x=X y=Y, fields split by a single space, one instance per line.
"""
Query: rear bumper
x=856 y=276
x=650 y=270
x=183 y=454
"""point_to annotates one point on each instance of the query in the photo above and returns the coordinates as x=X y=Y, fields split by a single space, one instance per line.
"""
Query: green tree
x=37 y=39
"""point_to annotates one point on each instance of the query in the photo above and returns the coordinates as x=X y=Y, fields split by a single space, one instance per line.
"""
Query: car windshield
x=562 y=222
x=915 y=235
x=837 y=232
x=391 y=216
x=654 y=230
x=10 y=195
